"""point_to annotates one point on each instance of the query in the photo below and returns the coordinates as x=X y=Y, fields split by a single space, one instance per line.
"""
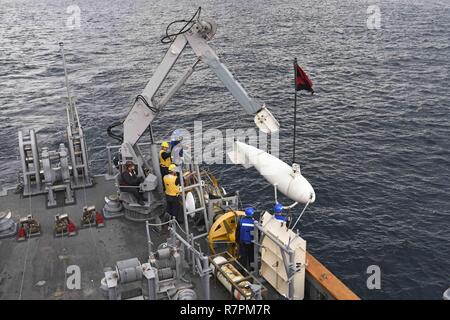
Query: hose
x=112 y=134
x=170 y=37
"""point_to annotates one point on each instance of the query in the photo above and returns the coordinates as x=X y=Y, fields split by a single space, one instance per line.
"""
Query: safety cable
x=158 y=224
x=164 y=223
x=170 y=37
x=301 y=214
x=181 y=227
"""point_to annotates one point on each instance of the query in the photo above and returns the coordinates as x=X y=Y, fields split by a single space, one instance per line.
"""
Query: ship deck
x=36 y=268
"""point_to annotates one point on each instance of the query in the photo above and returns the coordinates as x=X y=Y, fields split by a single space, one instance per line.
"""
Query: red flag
x=302 y=82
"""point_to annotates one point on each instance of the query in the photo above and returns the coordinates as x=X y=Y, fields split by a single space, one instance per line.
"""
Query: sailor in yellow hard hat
x=165 y=159
x=172 y=190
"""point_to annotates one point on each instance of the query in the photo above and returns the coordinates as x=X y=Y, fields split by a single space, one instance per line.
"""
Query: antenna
x=71 y=106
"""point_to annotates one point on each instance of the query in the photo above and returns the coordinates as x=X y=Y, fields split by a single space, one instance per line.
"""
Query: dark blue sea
x=373 y=141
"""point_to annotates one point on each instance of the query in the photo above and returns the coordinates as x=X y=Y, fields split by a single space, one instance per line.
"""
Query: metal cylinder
x=167 y=263
x=235 y=277
x=164 y=253
x=186 y=294
x=129 y=270
x=112 y=207
x=6 y=222
x=8 y=227
x=165 y=273
x=112 y=203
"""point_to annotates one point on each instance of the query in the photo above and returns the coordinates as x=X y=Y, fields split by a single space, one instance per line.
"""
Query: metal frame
x=29 y=155
x=287 y=253
x=233 y=200
x=54 y=174
x=194 y=168
x=34 y=164
x=77 y=144
x=112 y=148
x=199 y=260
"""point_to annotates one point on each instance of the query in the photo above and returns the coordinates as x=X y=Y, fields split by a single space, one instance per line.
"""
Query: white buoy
x=288 y=179
x=190 y=202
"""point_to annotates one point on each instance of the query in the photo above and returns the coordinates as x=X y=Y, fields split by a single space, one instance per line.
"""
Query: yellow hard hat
x=172 y=167
x=164 y=144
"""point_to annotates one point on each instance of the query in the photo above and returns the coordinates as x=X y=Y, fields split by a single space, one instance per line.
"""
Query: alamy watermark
x=373 y=21
x=213 y=146
x=73 y=281
x=74 y=19
x=374 y=280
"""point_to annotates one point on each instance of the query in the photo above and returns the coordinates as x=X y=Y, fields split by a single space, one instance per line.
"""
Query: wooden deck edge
x=328 y=280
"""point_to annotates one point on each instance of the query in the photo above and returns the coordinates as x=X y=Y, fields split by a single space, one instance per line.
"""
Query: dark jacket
x=131 y=179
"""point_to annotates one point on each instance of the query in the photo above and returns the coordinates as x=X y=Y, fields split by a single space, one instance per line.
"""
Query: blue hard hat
x=177 y=135
x=249 y=211
x=278 y=208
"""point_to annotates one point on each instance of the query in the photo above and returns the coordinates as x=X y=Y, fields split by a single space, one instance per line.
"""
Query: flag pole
x=295 y=109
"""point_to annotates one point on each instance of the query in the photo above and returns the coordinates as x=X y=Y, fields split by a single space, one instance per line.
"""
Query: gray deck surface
x=36 y=268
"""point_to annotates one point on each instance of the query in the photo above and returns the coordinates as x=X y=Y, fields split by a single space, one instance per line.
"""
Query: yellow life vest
x=172 y=189
x=164 y=163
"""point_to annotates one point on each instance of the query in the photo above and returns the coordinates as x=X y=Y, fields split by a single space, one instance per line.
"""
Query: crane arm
x=146 y=108
x=208 y=55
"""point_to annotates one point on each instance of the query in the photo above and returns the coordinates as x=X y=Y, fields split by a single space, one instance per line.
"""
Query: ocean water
x=373 y=141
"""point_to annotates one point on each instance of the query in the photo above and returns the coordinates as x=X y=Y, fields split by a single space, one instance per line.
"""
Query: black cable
x=118 y=123
x=142 y=98
x=170 y=37
x=113 y=135
x=289 y=217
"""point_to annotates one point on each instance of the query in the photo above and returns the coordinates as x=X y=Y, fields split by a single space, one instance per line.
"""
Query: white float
x=288 y=180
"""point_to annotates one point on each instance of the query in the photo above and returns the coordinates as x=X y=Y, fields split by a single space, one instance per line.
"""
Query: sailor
x=164 y=159
x=245 y=237
x=279 y=215
x=132 y=181
x=172 y=190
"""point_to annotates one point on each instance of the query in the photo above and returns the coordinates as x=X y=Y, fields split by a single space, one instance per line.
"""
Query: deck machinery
x=49 y=171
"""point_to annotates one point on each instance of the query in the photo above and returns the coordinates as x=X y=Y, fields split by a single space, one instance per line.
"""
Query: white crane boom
x=146 y=108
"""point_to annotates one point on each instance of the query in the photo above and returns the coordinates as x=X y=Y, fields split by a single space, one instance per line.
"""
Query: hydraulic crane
x=146 y=108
